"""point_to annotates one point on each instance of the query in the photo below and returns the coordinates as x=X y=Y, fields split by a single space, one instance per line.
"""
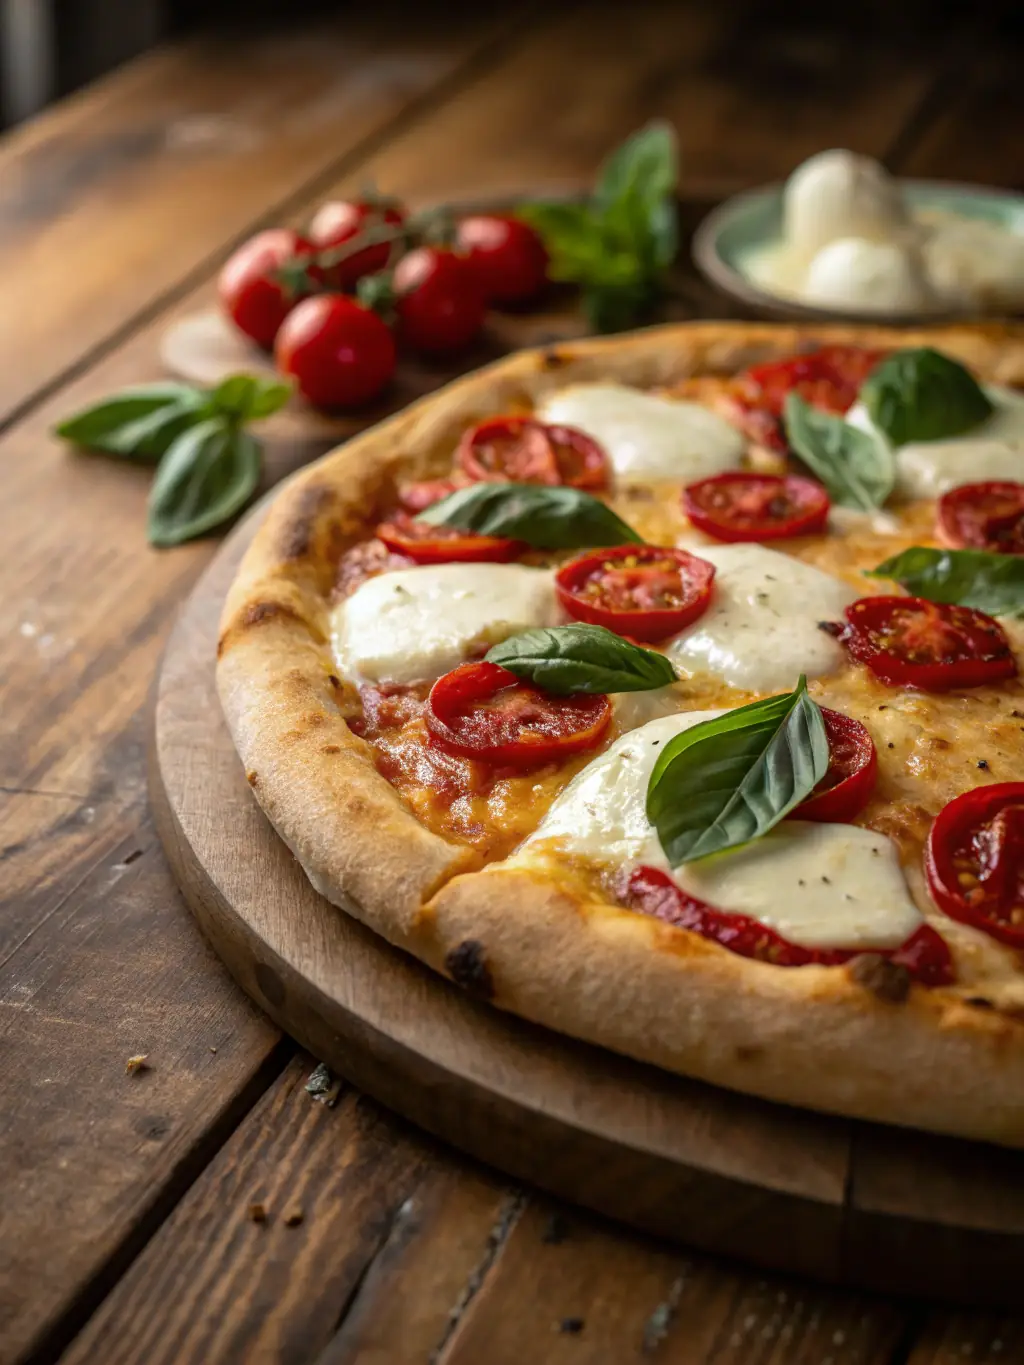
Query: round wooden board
x=848 y=1202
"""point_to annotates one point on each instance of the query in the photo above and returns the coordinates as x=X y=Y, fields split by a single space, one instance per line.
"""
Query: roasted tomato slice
x=523 y=450
x=652 y=892
x=829 y=378
x=909 y=642
x=983 y=516
x=741 y=506
x=852 y=769
x=483 y=711
x=974 y=859
x=417 y=497
x=425 y=544
x=642 y=591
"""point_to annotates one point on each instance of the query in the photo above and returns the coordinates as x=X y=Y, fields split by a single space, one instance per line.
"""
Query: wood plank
x=969 y=1339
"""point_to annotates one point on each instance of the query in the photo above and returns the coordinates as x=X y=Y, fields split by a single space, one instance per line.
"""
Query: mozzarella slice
x=412 y=625
x=647 y=437
x=637 y=708
x=762 y=629
x=993 y=450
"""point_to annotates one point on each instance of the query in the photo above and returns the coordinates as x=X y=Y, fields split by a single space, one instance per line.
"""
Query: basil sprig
x=618 y=245
x=582 y=658
x=546 y=517
x=992 y=583
x=856 y=468
x=730 y=780
x=922 y=395
x=208 y=466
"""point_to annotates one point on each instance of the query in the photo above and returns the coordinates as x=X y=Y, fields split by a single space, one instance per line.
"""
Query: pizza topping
x=548 y=518
x=582 y=658
x=425 y=544
x=485 y=712
x=855 y=466
x=642 y=591
x=523 y=450
x=983 y=516
x=850 y=777
x=910 y=642
x=829 y=378
x=922 y=395
x=992 y=583
x=738 y=506
x=974 y=860
x=417 y=497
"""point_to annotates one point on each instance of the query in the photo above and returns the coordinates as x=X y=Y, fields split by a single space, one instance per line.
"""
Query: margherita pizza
x=665 y=690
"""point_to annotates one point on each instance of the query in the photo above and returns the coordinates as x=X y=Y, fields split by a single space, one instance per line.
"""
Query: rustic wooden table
x=125 y=1233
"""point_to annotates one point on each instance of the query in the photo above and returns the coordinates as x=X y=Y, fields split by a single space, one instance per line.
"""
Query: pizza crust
x=825 y=1038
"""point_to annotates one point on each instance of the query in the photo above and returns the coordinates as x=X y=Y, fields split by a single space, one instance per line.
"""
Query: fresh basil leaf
x=207 y=476
x=968 y=578
x=730 y=780
x=857 y=469
x=571 y=231
x=646 y=166
x=138 y=423
x=922 y=395
x=582 y=658
x=548 y=518
x=663 y=231
x=247 y=397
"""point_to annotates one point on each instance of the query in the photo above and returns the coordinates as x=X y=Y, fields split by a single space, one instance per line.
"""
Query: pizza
x=664 y=690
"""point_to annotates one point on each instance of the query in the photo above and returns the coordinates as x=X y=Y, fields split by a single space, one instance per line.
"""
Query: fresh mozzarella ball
x=971 y=262
x=857 y=274
x=838 y=194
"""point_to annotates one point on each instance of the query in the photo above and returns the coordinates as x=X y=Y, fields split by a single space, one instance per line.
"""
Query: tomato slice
x=483 y=711
x=850 y=778
x=523 y=450
x=643 y=591
x=739 y=506
x=974 y=860
x=417 y=497
x=425 y=544
x=983 y=516
x=909 y=642
x=828 y=378
x=652 y=892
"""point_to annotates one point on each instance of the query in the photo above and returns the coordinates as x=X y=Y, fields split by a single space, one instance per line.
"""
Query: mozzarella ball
x=839 y=194
x=860 y=275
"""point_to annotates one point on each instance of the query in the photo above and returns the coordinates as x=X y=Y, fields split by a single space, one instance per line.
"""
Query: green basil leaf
x=646 y=166
x=247 y=397
x=582 y=658
x=663 y=232
x=207 y=476
x=968 y=578
x=548 y=518
x=138 y=423
x=857 y=469
x=730 y=780
x=922 y=395
x=571 y=233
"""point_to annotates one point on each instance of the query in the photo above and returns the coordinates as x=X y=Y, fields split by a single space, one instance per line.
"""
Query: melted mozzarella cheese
x=412 y=625
x=992 y=450
x=647 y=437
x=762 y=629
x=637 y=708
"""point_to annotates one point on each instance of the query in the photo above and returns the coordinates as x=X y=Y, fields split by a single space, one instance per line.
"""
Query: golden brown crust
x=822 y=1037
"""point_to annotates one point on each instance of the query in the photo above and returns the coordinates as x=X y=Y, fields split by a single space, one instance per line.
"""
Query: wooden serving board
x=881 y=1208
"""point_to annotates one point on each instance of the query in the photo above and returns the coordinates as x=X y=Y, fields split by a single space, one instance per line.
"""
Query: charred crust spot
x=467 y=966
x=253 y=778
x=748 y=1052
x=297 y=534
x=334 y=680
x=331 y=749
x=554 y=360
x=979 y=1002
x=257 y=613
x=888 y=980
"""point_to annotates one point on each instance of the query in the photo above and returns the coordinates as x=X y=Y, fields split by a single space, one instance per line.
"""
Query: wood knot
x=466 y=964
x=888 y=980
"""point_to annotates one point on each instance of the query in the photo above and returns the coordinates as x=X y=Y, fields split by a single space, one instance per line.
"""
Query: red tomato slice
x=741 y=506
x=652 y=892
x=417 y=497
x=444 y=544
x=828 y=378
x=852 y=769
x=974 y=860
x=523 y=450
x=642 y=591
x=483 y=711
x=983 y=516
x=909 y=642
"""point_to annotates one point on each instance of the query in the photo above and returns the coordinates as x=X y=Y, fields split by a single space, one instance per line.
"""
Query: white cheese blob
x=637 y=708
x=992 y=450
x=647 y=437
x=412 y=625
x=840 y=194
x=761 y=629
x=854 y=273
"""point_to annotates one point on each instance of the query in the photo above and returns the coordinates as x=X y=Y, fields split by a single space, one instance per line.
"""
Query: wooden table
x=126 y=1232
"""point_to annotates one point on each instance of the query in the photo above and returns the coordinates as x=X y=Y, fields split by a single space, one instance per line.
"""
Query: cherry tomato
x=741 y=506
x=852 y=769
x=652 y=892
x=828 y=378
x=523 y=450
x=335 y=224
x=251 y=294
x=509 y=258
x=440 y=305
x=417 y=497
x=910 y=642
x=974 y=860
x=483 y=711
x=642 y=591
x=340 y=353
x=444 y=544
x=983 y=516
